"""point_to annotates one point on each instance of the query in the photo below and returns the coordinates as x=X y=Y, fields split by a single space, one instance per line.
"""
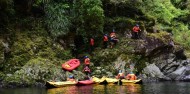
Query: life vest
x=113 y=35
x=87 y=61
x=136 y=29
x=131 y=77
x=105 y=38
x=121 y=74
x=71 y=79
x=92 y=41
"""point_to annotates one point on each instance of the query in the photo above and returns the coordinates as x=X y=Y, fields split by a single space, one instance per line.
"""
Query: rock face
x=167 y=61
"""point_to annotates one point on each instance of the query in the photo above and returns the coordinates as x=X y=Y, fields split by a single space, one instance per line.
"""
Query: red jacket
x=87 y=61
x=92 y=41
x=136 y=29
x=105 y=38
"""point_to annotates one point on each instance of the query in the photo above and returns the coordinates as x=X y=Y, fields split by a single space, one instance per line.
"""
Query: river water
x=147 y=88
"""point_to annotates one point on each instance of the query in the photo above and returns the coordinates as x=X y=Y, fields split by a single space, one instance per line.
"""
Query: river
x=146 y=88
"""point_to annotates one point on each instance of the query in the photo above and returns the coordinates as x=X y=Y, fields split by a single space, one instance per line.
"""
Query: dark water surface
x=147 y=88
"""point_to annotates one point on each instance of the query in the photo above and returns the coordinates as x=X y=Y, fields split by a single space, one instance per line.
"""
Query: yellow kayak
x=99 y=80
x=53 y=84
x=105 y=80
x=124 y=81
x=112 y=81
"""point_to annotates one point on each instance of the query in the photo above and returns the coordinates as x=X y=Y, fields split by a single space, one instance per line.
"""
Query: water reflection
x=145 y=88
x=97 y=89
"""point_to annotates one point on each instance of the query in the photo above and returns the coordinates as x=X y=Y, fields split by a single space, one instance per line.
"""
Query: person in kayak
x=131 y=76
x=120 y=75
x=71 y=78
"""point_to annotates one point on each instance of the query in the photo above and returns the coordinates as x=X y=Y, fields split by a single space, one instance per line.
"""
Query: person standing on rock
x=136 y=30
x=86 y=61
x=91 y=44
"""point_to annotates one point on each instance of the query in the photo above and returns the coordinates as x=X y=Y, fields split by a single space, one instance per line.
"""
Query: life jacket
x=87 y=61
x=71 y=79
x=113 y=35
x=136 y=29
x=105 y=38
x=121 y=74
x=131 y=77
x=92 y=41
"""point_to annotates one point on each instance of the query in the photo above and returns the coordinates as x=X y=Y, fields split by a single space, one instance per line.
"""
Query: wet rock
x=176 y=75
x=153 y=72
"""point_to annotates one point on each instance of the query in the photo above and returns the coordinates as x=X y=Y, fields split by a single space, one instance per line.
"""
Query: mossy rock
x=37 y=70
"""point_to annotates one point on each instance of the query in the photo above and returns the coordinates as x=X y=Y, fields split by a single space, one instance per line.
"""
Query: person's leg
x=136 y=35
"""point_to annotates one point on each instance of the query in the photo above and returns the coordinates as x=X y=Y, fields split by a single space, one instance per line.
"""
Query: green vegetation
x=39 y=33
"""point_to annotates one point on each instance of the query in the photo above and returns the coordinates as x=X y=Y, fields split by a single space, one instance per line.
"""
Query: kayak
x=124 y=81
x=71 y=64
x=105 y=80
x=53 y=84
x=99 y=80
x=85 y=82
x=112 y=81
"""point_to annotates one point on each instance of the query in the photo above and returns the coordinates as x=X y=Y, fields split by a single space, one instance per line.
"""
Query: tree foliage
x=57 y=18
x=90 y=16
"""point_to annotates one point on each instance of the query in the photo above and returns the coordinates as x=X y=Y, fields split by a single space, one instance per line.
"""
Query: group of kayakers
x=130 y=76
x=110 y=41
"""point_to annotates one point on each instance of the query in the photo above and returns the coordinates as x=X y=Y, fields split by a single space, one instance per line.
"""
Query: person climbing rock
x=136 y=30
x=131 y=76
x=113 y=39
x=105 y=41
x=86 y=61
x=113 y=34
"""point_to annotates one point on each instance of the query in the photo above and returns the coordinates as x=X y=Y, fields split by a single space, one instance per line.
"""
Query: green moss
x=165 y=37
x=38 y=69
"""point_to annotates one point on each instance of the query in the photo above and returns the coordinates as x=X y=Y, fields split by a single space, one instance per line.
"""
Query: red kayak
x=71 y=64
x=85 y=82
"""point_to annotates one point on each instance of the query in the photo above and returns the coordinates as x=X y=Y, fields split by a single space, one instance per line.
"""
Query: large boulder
x=152 y=71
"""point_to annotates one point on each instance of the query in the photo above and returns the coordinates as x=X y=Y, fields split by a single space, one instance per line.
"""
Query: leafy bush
x=89 y=17
x=57 y=18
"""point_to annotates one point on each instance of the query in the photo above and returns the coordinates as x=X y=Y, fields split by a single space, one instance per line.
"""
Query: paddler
x=131 y=76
